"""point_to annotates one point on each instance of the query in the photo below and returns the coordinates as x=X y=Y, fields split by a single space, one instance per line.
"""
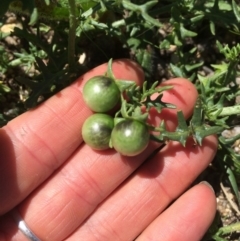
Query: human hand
x=64 y=190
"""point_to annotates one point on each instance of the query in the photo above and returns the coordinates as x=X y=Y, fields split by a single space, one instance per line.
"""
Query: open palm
x=64 y=190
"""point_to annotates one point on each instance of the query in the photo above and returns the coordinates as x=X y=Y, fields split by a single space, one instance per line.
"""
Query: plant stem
x=71 y=35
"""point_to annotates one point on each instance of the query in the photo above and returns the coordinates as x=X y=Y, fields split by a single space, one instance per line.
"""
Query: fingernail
x=207 y=184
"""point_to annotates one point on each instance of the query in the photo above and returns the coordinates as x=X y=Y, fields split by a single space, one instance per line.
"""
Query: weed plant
x=194 y=39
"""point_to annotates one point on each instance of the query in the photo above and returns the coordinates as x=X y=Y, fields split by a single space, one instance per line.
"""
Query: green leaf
x=143 y=10
x=212 y=27
x=109 y=72
x=199 y=133
x=197 y=118
x=157 y=103
x=180 y=134
x=177 y=71
x=33 y=17
x=186 y=33
x=134 y=43
x=193 y=66
x=236 y=10
x=138 y=115
x=145 y=57
x=124 y=84
x=197 y=18
x=4 y=88
x=182 y=128
x=229 y=141
x=197 y=125
x=165 y=44
x=233 y=181
x=47 y=2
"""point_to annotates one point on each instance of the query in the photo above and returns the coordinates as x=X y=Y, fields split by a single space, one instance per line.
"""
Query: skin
x=64 y=190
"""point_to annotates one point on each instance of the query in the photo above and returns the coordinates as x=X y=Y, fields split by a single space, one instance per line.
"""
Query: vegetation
x=193 y=39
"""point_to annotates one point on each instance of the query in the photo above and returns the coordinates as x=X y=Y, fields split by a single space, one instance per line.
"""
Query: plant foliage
x=193 y=39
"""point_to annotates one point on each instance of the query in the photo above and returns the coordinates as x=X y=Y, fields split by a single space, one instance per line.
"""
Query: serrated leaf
x=174 y=136
x=125 y=84
x=143 y=10
x=182 y=128
x=199 y=133
x=157 y=103
x=138 y=115
x=182 y=125
x=197 y=126
x=180 y=134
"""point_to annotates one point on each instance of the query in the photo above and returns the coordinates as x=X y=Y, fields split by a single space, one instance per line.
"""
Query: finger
x=130 y=209
x=59 y=207
x=186 y=219
x=36 y=143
